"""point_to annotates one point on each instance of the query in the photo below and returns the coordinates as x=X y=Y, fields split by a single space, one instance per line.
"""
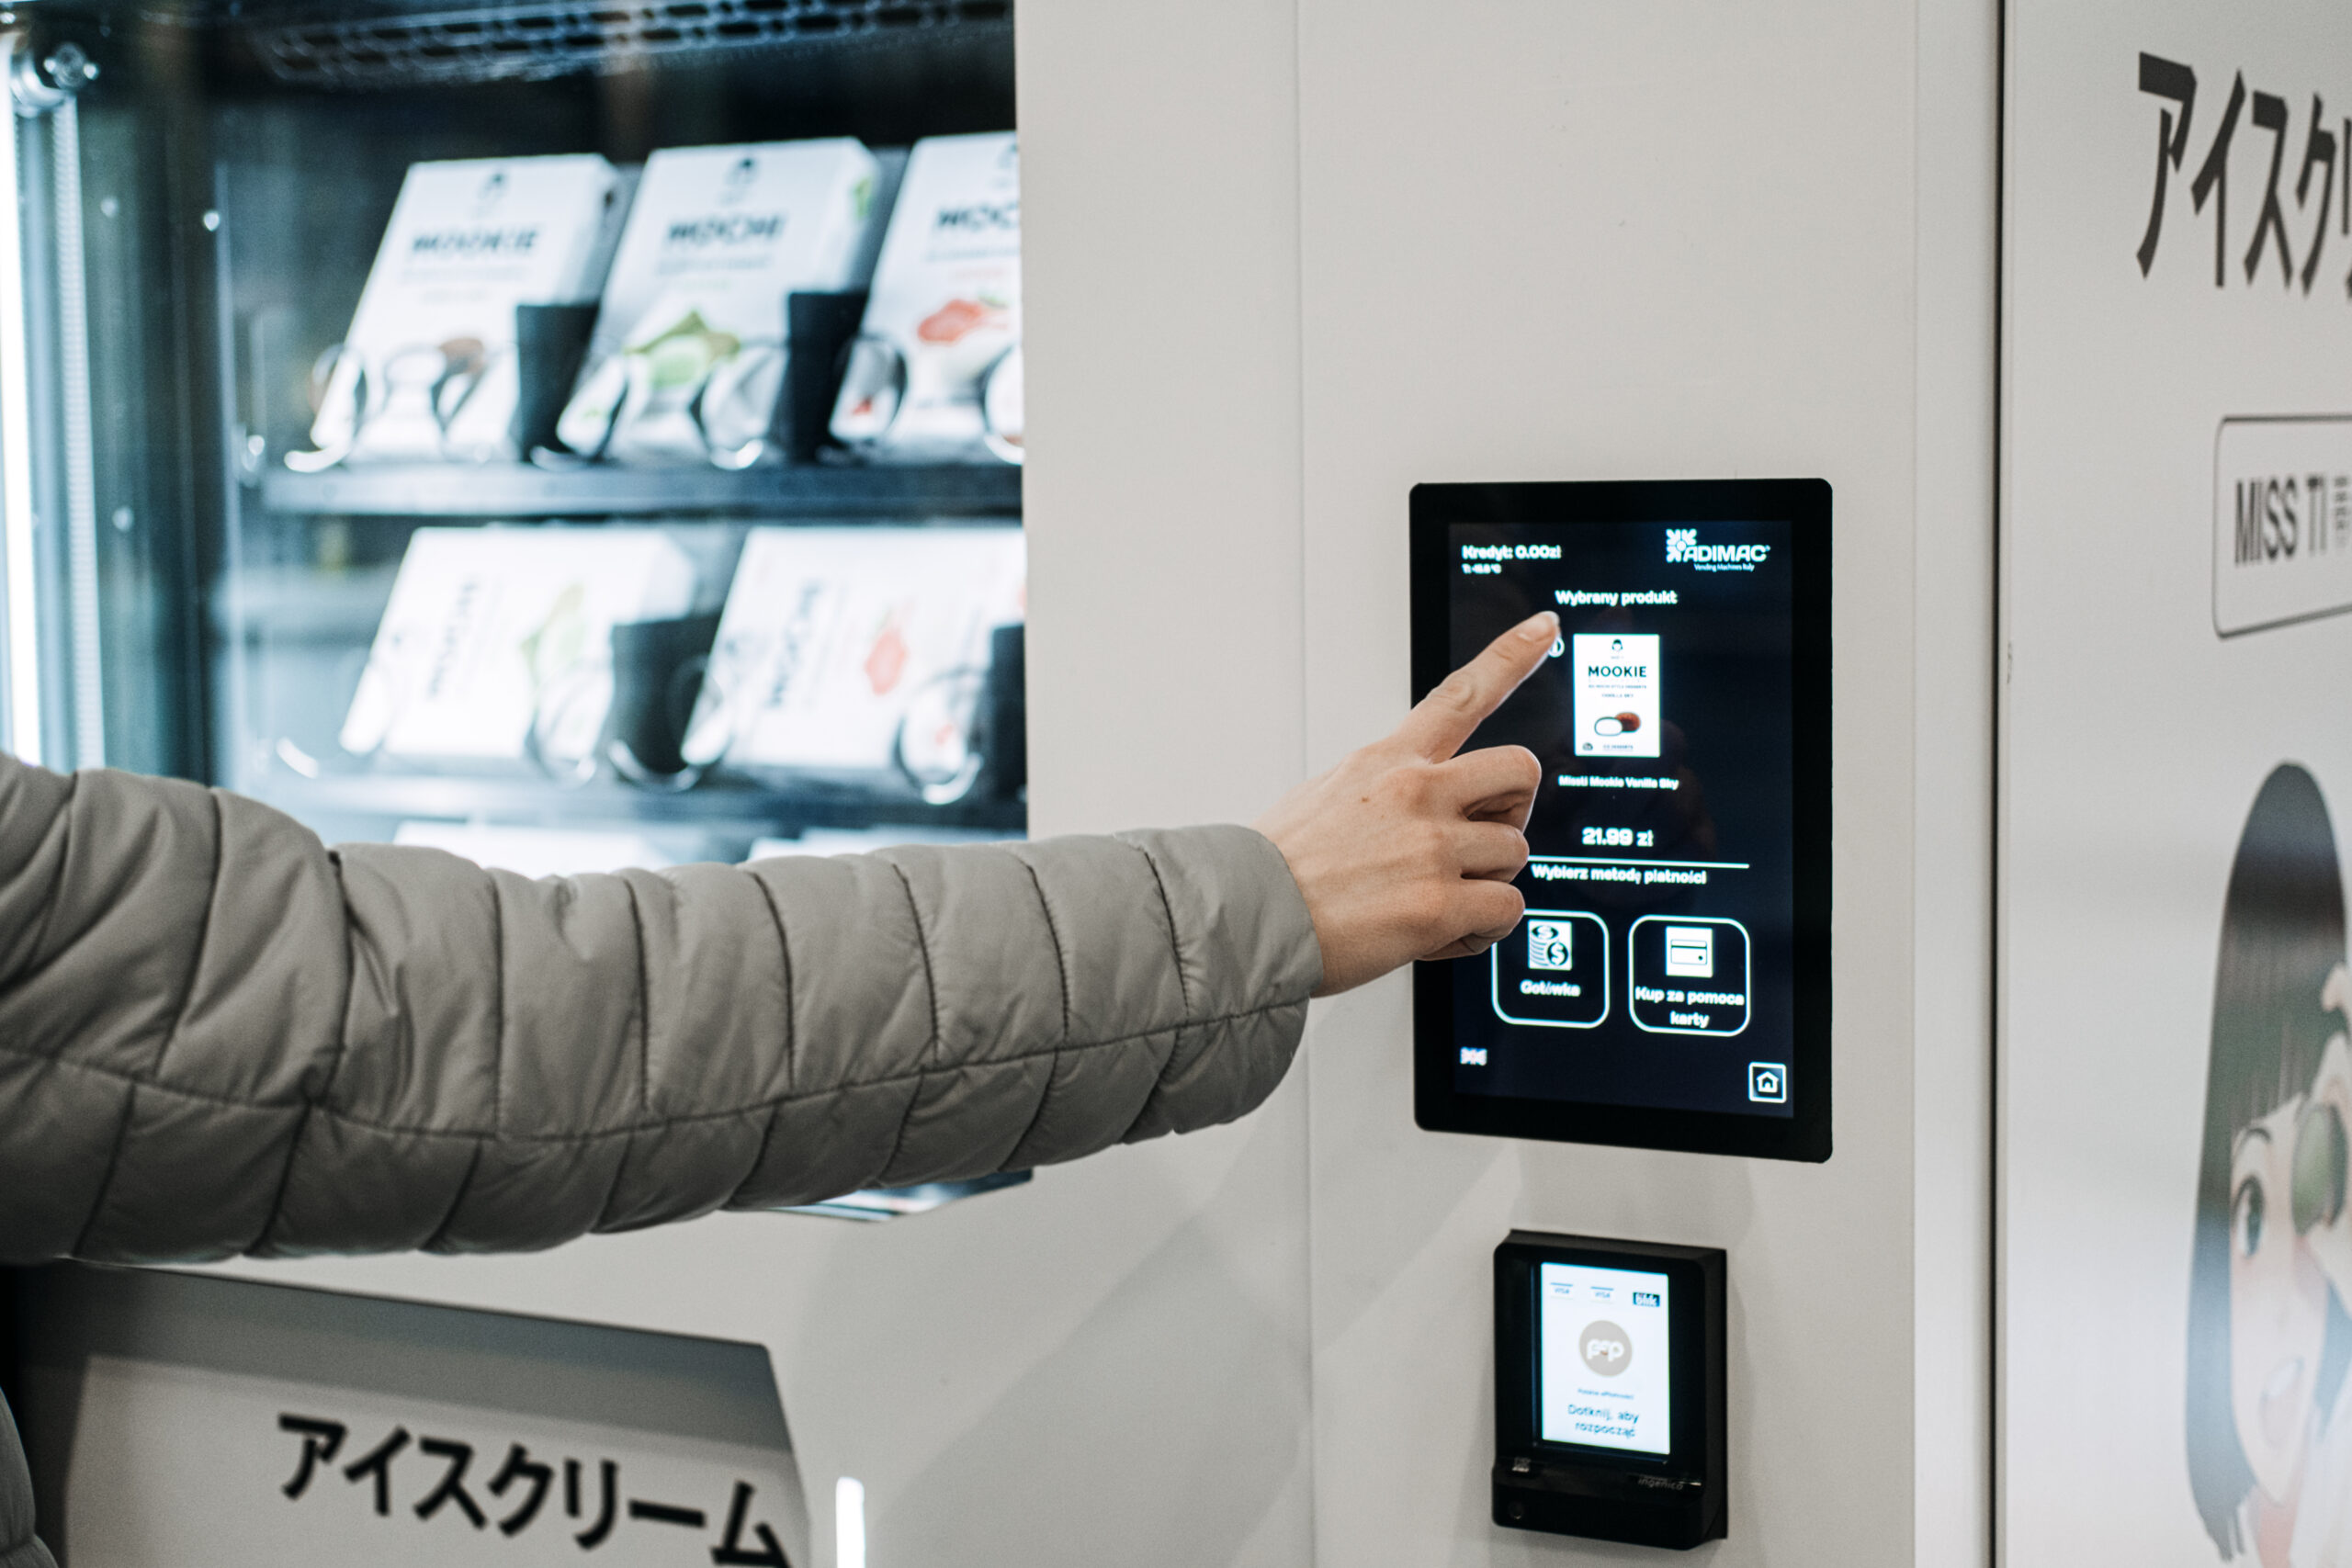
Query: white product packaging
x=944 y=322
x=427 y=371
x=689 y=355
x=856 y=651
x=495 y=633
x=1616 y=682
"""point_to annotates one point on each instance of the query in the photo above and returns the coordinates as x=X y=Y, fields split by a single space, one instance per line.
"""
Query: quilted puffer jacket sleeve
x=219 y=1036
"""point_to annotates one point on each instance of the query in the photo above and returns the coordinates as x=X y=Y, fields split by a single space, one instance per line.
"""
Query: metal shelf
x=518 y=489
x=526 y=41
x=898 y=1203
x=347 y=44
x=721 y=805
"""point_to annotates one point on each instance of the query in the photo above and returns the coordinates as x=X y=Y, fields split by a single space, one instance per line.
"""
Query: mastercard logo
x=1617 y=724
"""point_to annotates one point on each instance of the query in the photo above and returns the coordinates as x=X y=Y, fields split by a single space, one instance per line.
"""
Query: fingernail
x=1543 y=624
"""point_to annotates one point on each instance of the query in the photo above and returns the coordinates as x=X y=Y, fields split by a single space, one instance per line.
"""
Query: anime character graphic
x=2270 y=1418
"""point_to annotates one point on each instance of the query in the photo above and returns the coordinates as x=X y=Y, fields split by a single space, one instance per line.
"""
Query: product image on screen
x=1680 y=723
x=1603 y=1371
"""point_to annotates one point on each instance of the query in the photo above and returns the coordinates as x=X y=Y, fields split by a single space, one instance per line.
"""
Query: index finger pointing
x=1441 y=721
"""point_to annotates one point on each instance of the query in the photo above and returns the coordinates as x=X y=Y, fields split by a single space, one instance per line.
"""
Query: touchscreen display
x=1603 y=1370
x=1655 y=964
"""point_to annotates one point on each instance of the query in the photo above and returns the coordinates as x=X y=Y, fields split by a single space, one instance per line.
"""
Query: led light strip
x=18 y=525
x=494 y=41
x=81 y=478
x=849 y=1522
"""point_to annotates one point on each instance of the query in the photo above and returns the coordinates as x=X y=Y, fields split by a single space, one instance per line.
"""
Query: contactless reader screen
x=1610 y=1388
x=1603 y=1364
x=1676 y=888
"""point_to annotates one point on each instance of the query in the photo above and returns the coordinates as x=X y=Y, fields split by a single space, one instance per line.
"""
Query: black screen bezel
x=1804 y=505
x=1519 y=1354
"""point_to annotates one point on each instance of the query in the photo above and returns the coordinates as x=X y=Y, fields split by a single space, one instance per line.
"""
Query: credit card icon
x=1690 y=951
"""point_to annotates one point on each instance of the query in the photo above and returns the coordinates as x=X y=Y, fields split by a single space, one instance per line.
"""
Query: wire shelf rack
x=529 y=42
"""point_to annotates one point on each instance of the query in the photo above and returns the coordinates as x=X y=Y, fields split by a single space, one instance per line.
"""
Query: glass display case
x=576 y=435
x=289 y=504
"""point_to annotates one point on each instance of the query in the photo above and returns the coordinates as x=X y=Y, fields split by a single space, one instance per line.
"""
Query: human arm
x=1407 y=848
x=217 y=1035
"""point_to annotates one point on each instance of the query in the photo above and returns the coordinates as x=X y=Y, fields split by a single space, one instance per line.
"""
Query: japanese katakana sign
x=603 y=1465
x=518 y=1492
x=2312 y=152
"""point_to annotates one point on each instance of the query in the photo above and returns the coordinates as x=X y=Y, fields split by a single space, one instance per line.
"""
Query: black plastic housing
x=1806 y=1133
x=1677 y=1501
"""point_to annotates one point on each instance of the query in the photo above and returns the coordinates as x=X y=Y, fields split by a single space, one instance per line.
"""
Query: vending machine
x=573 y=436
x=590 y=433
x=575 y=441
x=586 y=438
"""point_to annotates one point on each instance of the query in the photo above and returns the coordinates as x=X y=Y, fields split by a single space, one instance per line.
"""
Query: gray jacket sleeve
x=219 y=1036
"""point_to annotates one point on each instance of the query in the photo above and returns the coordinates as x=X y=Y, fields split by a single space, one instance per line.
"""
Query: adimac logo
x=1682 y=545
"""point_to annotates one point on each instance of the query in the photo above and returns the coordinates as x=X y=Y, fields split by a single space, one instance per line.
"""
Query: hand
x=1405 y=850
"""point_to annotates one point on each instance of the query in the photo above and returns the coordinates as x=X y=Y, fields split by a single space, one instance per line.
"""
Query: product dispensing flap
x=427 y=371
x=836 y=642
x=935 y=377
x=689 y=351
x=495 y=634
